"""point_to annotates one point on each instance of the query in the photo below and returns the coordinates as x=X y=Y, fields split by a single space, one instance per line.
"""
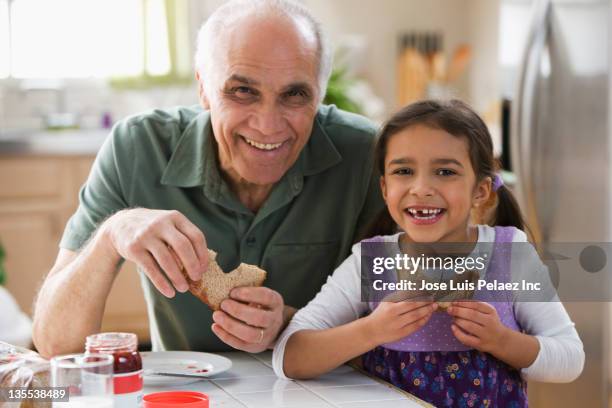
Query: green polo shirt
x=166 y=159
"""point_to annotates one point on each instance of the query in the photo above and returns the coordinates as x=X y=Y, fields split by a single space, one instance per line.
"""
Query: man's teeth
x=425 y=213
x=263 y=146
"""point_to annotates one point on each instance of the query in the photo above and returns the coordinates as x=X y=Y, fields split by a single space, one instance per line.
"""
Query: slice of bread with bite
x=215 y=285
x=443 y=297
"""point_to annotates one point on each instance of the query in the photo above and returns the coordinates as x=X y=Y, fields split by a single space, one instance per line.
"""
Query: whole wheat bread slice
x=215 y=285
x=442 y=297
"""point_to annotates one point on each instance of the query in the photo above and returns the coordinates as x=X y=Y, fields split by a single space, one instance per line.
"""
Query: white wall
x=483 y=76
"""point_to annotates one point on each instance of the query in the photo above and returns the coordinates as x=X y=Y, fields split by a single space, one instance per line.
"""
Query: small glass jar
x=127 y=366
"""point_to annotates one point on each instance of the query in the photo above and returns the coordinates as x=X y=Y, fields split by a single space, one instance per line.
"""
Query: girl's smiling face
x=430 y=186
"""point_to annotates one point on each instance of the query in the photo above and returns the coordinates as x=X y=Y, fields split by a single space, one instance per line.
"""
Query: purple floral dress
x=450 y=378
x=434 y=366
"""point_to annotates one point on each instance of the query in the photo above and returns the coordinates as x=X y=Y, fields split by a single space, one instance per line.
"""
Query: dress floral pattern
x=433 y=365
x=450 y=378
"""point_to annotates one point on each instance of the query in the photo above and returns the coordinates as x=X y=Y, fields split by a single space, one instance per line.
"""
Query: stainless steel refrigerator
x=560 y=151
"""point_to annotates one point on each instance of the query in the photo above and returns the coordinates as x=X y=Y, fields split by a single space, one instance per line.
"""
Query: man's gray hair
x=234 y=9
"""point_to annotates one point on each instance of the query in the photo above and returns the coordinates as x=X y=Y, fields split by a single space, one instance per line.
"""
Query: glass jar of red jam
x=127 y=369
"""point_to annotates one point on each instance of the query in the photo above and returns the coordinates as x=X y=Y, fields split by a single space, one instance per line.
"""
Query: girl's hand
x=391 y=321
x=477 y=325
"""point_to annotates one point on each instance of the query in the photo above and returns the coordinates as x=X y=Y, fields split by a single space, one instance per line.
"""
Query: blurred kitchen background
x=537 y=71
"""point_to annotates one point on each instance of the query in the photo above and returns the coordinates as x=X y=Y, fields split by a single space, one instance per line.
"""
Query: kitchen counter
x=251 y=383
x=77 y=142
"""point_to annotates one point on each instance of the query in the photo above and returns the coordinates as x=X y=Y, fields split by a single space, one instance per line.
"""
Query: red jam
x=127 y=367
x=126 y=362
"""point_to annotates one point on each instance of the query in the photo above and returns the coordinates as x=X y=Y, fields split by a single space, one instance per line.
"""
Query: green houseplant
x=337 y=91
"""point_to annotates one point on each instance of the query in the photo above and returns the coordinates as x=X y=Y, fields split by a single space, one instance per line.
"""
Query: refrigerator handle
x=522 y=119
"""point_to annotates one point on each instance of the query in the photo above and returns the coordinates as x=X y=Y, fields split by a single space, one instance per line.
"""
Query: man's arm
x=71 y=301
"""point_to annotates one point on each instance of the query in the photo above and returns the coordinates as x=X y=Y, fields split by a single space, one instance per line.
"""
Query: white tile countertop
x=251 y=383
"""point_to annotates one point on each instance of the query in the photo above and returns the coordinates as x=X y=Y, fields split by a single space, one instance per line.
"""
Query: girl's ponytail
x=507 y=212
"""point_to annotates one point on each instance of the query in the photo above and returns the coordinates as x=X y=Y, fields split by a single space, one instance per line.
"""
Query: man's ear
x=482 y=192
x=201 y=93
x=383 y=188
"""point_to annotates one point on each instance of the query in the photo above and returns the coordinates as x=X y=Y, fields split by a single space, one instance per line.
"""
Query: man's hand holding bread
x=173 y=254
x=250 y=319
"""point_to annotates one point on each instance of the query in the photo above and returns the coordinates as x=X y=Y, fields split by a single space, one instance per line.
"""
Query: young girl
x=437 y=166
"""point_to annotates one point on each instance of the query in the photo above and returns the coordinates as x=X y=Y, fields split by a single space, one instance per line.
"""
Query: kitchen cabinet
x=38 y=195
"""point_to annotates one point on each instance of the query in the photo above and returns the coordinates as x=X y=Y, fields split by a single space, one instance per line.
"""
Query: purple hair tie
x=497 y=182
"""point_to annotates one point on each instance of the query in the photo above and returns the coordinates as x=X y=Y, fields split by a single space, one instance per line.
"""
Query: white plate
x=182 y=362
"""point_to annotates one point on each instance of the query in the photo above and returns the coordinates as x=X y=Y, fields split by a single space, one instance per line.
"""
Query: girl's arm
x=337 y=303
x=328 y=331
x=550 y=352
x=310 y=353
x=561 y=355
x=477 y=325
x=549 y=349
x=516 y=349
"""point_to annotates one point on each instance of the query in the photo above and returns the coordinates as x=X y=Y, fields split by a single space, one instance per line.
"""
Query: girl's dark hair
x=458 y=119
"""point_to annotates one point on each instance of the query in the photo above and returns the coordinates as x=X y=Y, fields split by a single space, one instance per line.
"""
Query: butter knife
x=174 y=374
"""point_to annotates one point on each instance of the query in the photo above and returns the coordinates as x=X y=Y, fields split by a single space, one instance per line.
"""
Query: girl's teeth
x=425 y=213
x=263 y=146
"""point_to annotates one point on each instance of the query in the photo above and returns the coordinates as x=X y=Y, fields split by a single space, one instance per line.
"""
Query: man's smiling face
x=262 y=92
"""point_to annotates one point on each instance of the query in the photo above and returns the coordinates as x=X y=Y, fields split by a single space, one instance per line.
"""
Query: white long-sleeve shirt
x=561 y=354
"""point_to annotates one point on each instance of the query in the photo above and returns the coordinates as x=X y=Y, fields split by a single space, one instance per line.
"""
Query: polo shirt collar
x=193 y=162
x=186 y=167
x=319 y=153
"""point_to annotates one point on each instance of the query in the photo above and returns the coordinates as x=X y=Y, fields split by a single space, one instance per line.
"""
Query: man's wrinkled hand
x=251 y=319
x=161 y=243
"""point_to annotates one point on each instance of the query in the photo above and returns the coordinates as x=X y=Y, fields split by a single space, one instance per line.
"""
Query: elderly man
x=262 y=174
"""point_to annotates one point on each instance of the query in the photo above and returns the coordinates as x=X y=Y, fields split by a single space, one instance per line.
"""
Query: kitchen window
x=4 y=39
x=115 y=39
